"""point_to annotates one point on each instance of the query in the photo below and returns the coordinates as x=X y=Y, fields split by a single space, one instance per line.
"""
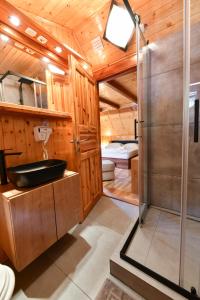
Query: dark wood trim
x=119 y=88
x=106 y=101
x=118 y=111
x=117 y=68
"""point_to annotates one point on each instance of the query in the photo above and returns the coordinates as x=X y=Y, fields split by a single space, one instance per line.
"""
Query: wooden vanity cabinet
x=33 y=220
x=67 y=204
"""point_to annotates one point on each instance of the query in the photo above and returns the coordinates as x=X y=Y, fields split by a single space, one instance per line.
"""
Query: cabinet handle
x=196 y=121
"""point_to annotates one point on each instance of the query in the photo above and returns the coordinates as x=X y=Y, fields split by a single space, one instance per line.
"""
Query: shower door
x=190 y=247
x=142 y=128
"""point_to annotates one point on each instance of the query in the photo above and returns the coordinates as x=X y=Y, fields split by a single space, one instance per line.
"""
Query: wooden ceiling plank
x=121 y=89
x=106 y=101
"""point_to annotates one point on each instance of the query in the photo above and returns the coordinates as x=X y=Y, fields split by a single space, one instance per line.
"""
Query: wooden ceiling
x=69 y=13
x=118 y=92
x=13 y=59
x=87 y=19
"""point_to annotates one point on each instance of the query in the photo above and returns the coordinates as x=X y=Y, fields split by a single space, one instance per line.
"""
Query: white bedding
x=120 y=151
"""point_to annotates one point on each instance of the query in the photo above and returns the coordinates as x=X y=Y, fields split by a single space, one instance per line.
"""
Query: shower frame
x=184 y=176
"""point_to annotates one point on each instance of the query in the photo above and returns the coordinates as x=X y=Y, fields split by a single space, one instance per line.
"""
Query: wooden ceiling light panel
x=6 y=10
x=63 y=34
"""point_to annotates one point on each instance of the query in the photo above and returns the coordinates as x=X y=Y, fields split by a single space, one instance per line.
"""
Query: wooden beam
x=119 y=111
x=116 y=76
x=106 y=101
x=117 y=67
x=117 y=87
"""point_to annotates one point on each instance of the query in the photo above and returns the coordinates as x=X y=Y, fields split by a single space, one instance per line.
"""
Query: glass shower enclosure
x=165 y=241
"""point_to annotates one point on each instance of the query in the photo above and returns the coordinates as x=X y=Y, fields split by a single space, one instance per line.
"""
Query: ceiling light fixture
x=55 y=69
x=14 y=20
x=58 y=49
x=120 y=24
x=4 y=38
x=46 y=59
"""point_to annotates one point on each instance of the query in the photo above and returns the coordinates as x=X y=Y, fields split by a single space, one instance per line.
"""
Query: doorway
x=119 y=145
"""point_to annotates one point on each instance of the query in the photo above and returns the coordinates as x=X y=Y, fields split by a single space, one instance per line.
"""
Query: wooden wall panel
x=17 y=134
x=59 y=93
x=117 y=126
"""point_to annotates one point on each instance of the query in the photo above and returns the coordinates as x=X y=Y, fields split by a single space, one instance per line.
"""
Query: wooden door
x=86 y=135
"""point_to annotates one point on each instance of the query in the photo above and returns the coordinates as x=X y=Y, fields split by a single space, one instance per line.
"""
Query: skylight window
x=120 y=26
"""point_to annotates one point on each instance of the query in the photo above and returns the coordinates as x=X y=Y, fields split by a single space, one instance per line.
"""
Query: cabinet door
x=67 y=203
x=33 y=220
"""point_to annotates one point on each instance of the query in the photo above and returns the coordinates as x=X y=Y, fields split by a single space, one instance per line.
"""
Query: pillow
x=113 y=145
x=131 y=146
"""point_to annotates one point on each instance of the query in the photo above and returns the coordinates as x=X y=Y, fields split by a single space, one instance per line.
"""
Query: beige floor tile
x=43 y=280
x=92 y=243
x=157 y=246
x=113 y=214
x=141 y=243
x=163 y=256
x=78 y=264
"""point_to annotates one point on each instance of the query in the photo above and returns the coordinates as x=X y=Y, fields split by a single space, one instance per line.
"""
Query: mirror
x=22 y=76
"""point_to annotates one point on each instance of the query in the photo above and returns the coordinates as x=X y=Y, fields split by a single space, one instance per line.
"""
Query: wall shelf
x=34 y=111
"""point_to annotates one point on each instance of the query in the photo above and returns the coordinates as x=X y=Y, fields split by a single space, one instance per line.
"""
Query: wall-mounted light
x=58 y=49
x=4 y=38
x=45 y=59
x=120 y=26
x=14 y=20
x=85 y=66
x=55 y=69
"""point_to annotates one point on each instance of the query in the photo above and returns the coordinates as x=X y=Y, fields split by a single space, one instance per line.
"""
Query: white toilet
x=7 y=282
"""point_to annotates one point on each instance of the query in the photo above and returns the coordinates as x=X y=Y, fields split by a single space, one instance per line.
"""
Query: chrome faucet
x=3 y=174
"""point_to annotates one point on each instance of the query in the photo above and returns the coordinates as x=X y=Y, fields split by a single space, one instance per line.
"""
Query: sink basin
x=36 y=173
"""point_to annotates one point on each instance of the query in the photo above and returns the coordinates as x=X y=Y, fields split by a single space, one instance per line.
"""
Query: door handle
x=196 y=121
x=136 y=122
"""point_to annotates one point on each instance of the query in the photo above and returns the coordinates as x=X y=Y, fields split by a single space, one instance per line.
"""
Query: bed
x=120 y=152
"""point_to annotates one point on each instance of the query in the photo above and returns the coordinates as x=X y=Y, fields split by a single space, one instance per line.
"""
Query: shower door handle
x=136 y=122
x=196 y=121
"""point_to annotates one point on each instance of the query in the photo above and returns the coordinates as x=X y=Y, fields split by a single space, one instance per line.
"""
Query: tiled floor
x=156 y=245
x=120 y=187
x=76 y=267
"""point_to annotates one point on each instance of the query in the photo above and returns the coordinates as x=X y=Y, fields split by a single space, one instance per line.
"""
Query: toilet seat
x=7 y=282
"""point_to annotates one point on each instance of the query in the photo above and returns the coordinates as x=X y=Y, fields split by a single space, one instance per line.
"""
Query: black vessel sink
x=36 y=173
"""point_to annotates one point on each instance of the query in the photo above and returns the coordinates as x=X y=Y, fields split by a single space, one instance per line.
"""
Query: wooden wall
x=16 y=133
x=117 y=125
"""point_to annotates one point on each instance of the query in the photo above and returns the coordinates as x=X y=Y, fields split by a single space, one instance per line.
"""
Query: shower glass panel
x=166 y=245
x=156 y=245
x=191 y=248
x=142 y=93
